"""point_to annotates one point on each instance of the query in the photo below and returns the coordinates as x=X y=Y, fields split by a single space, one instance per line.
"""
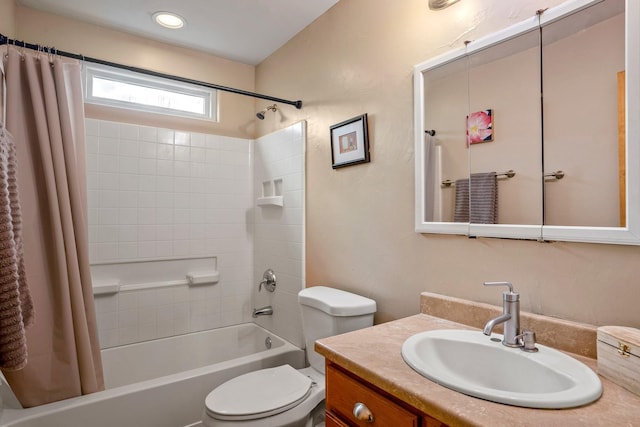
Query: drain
x=267 y=342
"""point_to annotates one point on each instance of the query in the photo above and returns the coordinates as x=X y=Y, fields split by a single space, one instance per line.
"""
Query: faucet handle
x=508 y=296
x=268 y=281
x=528 y=340
x=508 y=284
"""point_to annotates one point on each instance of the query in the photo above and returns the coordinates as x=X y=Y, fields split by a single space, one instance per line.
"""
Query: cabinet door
x=344 y=393
x=332 y=421
x=428 y=421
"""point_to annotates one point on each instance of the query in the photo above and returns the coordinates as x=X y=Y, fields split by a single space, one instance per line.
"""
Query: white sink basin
x=477 y=365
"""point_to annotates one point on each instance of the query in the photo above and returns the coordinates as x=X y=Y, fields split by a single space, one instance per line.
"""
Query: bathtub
x=163 y=383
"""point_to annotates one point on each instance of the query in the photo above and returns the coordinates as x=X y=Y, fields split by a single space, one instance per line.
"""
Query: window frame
x=208 y=95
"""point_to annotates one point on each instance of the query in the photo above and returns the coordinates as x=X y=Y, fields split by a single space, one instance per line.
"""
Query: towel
x=484 y=198
x=461 y=209
x=477 y=199
x=16 y=306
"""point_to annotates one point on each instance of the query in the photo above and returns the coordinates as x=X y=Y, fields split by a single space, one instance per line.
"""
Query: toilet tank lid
x=336 y=302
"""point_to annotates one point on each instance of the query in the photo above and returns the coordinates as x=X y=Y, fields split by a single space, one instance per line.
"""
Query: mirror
x=513 y=104
x=582 y=55
x=584 y=126
x=446 y=152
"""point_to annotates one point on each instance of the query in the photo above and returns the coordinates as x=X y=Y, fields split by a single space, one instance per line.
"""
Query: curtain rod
x=53 y=51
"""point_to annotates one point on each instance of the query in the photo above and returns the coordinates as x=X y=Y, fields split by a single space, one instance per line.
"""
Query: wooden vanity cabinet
x=332 y=421
x=351 y=401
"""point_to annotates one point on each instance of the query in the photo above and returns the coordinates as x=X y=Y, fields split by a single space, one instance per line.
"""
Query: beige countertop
x=374 y=355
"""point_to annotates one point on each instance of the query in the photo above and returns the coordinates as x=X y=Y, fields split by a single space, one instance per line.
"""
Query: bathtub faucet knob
x=268 y=281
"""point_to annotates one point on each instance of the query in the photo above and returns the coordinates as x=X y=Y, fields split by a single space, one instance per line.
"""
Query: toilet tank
x=327 y=311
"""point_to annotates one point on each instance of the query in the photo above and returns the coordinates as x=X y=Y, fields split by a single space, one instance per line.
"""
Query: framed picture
x=350 y=142
x=480 y=127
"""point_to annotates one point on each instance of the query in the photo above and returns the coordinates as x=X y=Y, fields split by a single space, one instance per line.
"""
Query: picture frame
x=350 y=142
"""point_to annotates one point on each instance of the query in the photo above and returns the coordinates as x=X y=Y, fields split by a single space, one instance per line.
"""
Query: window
x=128 y=89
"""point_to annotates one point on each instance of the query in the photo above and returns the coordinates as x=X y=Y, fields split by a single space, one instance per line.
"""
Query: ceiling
x=246 y=31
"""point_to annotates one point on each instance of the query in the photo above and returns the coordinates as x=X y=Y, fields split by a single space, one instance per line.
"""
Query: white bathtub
x=163 y=383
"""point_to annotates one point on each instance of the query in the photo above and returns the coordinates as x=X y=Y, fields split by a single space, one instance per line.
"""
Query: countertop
x=374 y=355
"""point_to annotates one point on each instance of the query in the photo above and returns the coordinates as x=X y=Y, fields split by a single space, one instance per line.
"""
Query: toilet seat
x=258 y=394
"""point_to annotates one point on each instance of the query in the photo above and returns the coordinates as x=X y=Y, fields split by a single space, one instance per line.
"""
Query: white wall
x=279 y=231
x=165 y=203
x=159 y=193
x=156 y=196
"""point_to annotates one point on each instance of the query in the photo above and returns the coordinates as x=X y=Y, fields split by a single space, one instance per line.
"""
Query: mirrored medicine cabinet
x=534 y=132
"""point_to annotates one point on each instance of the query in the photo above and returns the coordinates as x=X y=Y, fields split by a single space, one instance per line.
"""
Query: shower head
x=261 y=114
x=440 y=4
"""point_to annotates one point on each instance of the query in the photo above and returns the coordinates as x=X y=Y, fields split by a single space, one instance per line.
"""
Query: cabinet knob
x=362 y=413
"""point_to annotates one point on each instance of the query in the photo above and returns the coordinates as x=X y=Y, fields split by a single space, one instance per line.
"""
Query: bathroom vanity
x=366 y=367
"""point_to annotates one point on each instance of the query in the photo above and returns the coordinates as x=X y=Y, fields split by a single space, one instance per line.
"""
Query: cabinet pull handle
x=362 y=413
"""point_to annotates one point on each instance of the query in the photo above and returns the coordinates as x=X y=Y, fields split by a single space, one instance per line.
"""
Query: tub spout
x=264 y=311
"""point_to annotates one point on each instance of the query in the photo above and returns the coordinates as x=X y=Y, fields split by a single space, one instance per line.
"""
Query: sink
x=480 y=366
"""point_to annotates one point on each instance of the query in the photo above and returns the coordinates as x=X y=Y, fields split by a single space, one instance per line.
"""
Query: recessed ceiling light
x=169 y=20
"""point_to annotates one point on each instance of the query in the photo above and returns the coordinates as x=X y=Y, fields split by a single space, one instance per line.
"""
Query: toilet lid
x=258 y=394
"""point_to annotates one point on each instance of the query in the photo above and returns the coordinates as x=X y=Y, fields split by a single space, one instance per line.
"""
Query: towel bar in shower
x=508 y=174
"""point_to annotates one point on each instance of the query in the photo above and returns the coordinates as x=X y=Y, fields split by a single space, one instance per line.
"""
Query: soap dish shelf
x=271 y=201
x=271 y=193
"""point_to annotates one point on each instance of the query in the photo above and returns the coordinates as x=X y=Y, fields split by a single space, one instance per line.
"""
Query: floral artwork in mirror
x=480 y=127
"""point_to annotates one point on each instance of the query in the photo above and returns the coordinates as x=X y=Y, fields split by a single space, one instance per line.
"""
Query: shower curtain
x=45 y=115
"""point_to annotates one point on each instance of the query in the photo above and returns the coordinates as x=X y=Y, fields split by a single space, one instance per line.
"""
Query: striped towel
x=461 y=210
x=477 y=202
x=16 y=307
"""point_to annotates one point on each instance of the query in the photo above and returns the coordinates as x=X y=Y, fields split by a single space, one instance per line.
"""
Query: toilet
x=283 y=396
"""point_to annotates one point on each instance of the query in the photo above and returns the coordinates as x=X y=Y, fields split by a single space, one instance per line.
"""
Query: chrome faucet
x=264 y=311
x=510 y=316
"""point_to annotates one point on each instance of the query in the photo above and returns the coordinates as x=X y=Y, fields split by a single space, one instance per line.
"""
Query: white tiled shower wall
x=160 y=194
x=279 y=230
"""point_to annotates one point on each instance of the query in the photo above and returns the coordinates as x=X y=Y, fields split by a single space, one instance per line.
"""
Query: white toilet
x=283 y=396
